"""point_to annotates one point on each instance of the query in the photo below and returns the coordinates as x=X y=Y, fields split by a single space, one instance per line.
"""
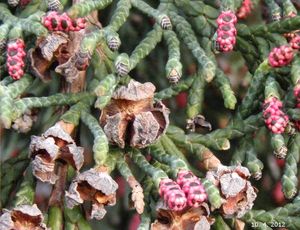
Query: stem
x=57 y=194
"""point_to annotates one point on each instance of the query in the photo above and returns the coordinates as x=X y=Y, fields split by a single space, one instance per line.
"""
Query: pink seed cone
x=15 y=58
x=226 y=32
x=275 y=119
x=172 y=194
x=192 y=187
x=183 y=176
x=194 y=192
x=226 y=41
x=281 y=56
x=295 y=42
x=245 y=9
x=226 y=17
x=62 y=22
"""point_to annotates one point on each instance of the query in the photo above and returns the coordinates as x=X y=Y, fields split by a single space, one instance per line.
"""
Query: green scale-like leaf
x=186 y=33
x=100 y=147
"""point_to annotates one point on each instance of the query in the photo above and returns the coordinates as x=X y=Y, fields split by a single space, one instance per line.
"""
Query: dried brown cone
x=45 y=54
x=55 y=144
x=24 y=123
x=25 y=217
x=137 y=195
x=187 y=219
x=94 y=185
x=132 y=118
x=197 y=122
x=235 y=188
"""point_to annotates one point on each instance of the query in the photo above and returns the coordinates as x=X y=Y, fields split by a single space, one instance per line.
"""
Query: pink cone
x=275 y=119
x=192 y=187
x=62 y=22
x=281 y=56
x=172 y=194
x=226 y=17
x=245 y=9
x=295 y=42
x=183 y=176
x=15 y=58
x=226 y=32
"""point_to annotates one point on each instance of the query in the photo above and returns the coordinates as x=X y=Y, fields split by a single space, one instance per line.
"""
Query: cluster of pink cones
x=281 y=56
x=186 y=191
x=62 y=22
x=226 y=32
x=275 y=119
x=15 y=58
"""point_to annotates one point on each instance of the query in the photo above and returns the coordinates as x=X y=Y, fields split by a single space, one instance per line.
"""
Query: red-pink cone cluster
x=62 y=22
x=275 y=119
x=226 y=32
x=245 y=9
x=192 y=187
x=281 y=56
x=295 y=42
x=15 y=58
x=297 y=96
x=172 y=194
